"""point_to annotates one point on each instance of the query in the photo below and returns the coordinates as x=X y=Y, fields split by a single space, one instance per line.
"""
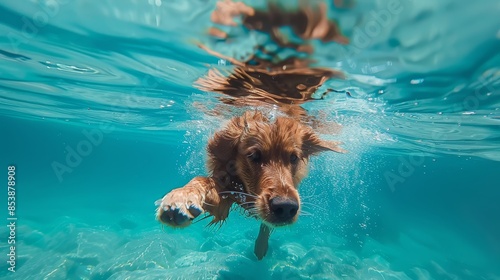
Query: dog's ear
x=223 y=145
x=312 y=144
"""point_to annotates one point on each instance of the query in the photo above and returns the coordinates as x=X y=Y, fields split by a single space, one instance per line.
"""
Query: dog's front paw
x=179 y=207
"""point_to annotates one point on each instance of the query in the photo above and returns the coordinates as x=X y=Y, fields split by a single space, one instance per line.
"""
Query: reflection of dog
x=253 y=162
x=279 y=71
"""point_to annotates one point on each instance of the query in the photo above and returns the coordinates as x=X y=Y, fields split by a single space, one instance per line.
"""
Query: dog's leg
x=180 y=206
x=261 y=243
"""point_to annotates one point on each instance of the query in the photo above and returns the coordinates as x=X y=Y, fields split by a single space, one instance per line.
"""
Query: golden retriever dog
x=256 y=162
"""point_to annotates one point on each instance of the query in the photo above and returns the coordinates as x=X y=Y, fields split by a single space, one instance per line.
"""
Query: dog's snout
x=283 y=209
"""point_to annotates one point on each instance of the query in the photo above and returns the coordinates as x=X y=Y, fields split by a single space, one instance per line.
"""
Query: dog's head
x=269 y=159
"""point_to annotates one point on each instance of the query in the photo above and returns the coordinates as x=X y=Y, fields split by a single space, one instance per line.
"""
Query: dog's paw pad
x=174 y=216
x=178 y=208
x=195 y=211
x=180 y=218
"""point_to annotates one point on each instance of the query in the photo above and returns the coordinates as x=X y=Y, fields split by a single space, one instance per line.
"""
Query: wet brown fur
x=235 y=178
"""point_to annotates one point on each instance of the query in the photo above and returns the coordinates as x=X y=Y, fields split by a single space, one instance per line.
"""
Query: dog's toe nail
x=165 y=208
x=158 y=202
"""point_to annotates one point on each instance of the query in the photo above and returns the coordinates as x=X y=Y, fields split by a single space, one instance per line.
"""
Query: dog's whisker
x=305 y=213
x=310 y=196
x=252 y=212
x=307 y=210
x=248 y=202
x=313 y=205
x=236 y=192
x=253 y=193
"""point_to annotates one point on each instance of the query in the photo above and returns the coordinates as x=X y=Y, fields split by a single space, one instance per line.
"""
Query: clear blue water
x=417 y=197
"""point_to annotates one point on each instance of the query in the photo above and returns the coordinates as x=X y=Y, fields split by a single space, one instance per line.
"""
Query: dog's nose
x=283 y=208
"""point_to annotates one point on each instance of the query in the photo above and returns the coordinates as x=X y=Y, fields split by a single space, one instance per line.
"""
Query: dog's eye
x=294 y=159
x=255 y=156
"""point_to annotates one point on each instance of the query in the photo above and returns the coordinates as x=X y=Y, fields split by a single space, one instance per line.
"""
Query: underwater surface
x=102 y=113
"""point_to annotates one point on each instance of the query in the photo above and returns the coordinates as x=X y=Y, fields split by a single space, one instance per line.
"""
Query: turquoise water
x=416 y=197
